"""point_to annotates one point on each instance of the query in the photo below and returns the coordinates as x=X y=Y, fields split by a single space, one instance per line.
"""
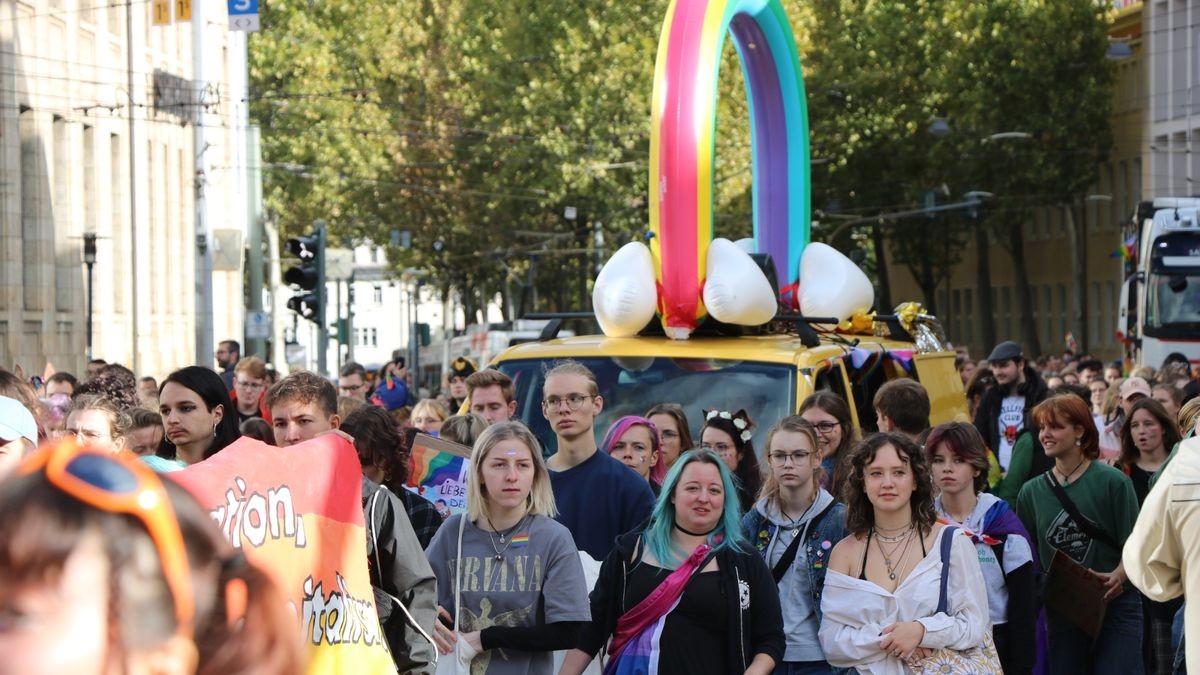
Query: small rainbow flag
x=430 y=467
x=520 y=540
x=439 y=473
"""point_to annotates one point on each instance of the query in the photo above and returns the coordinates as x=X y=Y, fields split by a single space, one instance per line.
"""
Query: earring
x=1077 y=443
x=214 y=430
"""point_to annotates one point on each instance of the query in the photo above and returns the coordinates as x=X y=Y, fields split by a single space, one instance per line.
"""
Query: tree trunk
x=1029 y=337
x=983 y=282
x=1077 y=242
x=884 y=301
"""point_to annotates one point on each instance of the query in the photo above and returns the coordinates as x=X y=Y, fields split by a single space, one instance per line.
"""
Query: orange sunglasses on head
x=118 y=485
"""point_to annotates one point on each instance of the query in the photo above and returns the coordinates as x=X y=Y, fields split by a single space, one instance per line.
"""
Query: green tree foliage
x=881 y=70
x=475 y=124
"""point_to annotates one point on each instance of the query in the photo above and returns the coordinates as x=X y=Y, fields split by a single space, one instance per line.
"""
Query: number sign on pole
x=243 y=15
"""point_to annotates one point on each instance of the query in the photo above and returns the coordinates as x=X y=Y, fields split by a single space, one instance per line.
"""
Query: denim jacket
x=818 y=543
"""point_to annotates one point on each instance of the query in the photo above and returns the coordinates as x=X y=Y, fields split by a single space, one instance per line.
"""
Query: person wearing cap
x=392 y=392
x=460 y=369
x=18 y=434
x=1004 y=409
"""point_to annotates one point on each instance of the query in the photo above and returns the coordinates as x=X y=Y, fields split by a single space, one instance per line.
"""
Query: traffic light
x=308 y=274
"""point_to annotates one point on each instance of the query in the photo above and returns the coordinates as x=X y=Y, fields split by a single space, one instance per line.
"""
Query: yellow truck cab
x=768 y=375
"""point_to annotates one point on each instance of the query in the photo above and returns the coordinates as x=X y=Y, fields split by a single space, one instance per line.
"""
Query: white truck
x=1160 y=298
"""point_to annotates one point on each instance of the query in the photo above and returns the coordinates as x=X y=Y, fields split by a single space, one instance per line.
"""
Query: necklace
x=504 y=536
x=794 y=524
x=906 y=526
x=893 y=570
x=946 y=511
x=694 y=534
x=1067 y=478
x=894 y=539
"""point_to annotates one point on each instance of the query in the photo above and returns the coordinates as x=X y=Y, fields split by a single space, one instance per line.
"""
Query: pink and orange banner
x=297 y=513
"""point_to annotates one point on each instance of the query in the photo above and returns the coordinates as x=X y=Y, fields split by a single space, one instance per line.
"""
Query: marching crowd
x=985 y=545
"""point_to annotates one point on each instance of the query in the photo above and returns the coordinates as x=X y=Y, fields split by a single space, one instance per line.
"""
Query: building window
x=378 y=290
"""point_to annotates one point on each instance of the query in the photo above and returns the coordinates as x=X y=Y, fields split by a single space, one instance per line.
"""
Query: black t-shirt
x=693 y=640
x=243 y=417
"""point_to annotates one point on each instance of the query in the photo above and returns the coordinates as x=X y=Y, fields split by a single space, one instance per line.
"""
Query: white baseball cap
x=16 y=421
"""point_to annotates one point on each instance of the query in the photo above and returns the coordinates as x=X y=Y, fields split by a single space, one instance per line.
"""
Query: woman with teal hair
x=687 y=593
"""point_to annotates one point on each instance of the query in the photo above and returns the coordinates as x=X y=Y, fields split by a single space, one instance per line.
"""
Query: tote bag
x=457 y=662
x=982 y=659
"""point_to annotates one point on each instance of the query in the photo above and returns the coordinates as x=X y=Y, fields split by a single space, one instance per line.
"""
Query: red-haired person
x=1104 y=498
x=959 y=463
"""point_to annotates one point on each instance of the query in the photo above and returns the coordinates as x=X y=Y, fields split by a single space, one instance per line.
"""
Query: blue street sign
x=243 y=7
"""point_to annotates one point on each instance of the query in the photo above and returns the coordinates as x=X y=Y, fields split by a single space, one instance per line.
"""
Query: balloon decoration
x=623 y=295
x=736 y=290
x=682 y=142
x=692 y=280
x=831 y=285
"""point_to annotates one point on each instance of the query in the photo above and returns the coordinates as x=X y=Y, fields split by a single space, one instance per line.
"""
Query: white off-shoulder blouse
x=855 y=611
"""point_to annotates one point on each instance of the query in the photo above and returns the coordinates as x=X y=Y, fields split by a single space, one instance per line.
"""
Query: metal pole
x=134 y=348
x=204 y=281
x=89 y=311
x=337 y=314
x=350 y=318
x=323 y=316
x=254 y=220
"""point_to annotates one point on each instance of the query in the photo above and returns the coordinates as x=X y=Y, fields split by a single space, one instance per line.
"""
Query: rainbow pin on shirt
x=520 y=540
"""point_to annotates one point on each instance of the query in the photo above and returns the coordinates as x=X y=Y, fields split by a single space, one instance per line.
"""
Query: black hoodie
x=988 y=415
x=750 y=595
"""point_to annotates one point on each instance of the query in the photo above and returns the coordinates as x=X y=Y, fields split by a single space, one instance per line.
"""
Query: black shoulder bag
x=789 y=555
x=1069 y=506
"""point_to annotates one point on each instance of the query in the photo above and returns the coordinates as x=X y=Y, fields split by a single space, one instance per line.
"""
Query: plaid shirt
x=424 y=517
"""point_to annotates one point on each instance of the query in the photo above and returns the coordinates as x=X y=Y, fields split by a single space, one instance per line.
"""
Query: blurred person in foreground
x=106 y=568
x=18 y=434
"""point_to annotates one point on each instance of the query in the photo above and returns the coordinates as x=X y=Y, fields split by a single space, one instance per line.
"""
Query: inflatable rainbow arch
x=683 y=148
x=686 y=274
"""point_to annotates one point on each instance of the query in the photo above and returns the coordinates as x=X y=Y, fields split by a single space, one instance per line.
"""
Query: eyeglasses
x=667 y=433
x=109 y=483
x=250 y=385
x=797 y=457
x=825 y=427
x=723 y=449
x=573 y=401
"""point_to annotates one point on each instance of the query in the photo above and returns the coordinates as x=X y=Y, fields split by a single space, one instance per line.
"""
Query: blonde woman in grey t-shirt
x=523 y=593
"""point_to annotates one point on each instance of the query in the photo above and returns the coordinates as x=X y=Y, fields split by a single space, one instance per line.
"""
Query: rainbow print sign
x=682 y=145
x=438 y=472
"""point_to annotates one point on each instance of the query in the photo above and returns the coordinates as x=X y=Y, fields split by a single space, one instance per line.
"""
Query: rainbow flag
x=438 y=472
x=520 y=540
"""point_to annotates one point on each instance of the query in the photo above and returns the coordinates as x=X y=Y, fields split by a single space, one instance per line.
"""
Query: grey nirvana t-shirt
x=539 y=581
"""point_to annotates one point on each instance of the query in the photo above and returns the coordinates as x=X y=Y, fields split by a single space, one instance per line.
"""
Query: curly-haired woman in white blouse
x=880 y=606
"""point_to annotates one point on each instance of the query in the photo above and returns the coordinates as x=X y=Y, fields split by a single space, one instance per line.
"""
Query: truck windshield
x=632 y=385
x=1173 y=303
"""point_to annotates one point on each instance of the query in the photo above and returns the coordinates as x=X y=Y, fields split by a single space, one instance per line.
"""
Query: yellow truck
x=768 y=374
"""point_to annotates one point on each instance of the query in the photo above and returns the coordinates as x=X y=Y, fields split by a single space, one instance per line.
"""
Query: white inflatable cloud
x=736 y=291
x=831 y=285
x=624 y=296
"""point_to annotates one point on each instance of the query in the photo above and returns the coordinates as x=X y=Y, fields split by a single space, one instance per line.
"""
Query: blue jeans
x=803 y=668
x=1118 y=650
x=1180 y=666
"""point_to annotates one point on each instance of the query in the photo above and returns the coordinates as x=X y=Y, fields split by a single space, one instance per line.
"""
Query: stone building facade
x=93 y=140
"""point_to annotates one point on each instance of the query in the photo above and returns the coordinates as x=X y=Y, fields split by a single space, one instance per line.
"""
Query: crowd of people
x=663 y=545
